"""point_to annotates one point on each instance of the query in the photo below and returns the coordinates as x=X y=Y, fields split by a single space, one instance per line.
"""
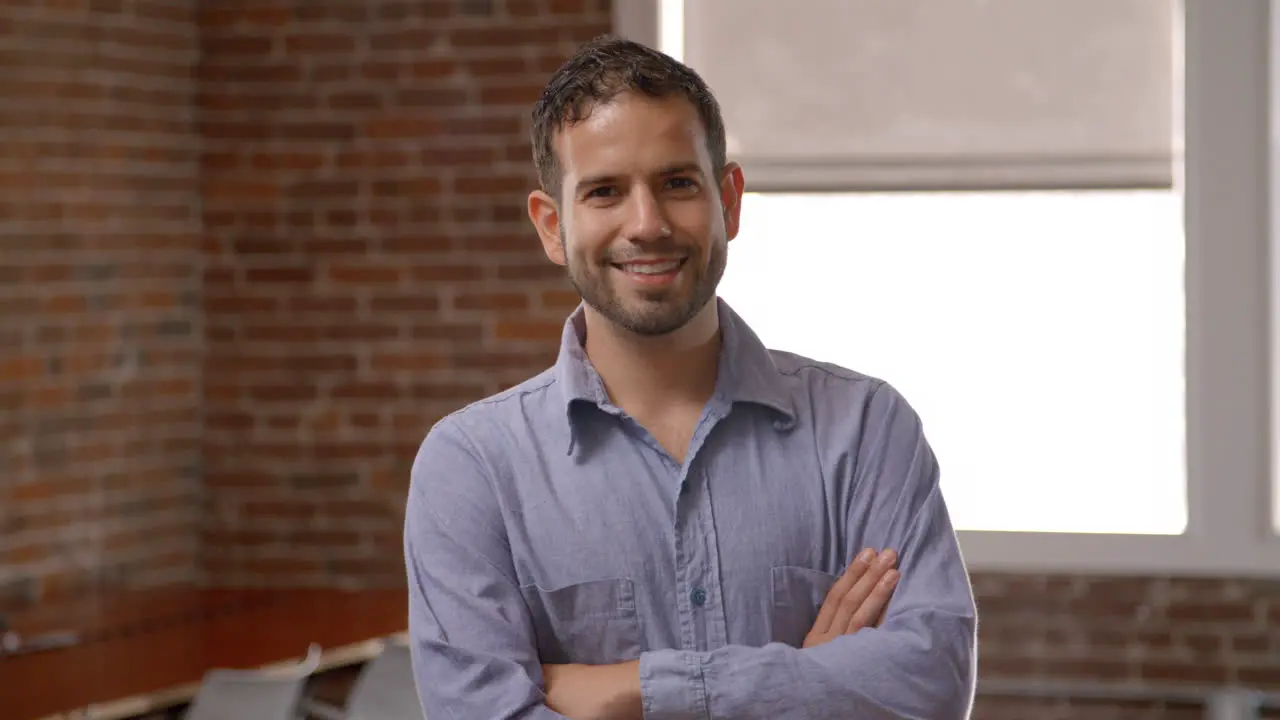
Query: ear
x=732 y=185
x=545 y=216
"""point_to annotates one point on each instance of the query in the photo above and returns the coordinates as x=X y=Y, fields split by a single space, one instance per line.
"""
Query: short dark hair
x=598 y=72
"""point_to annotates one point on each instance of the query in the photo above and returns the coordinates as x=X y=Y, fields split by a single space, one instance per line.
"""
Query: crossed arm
x=857 y=600
x=475 y=656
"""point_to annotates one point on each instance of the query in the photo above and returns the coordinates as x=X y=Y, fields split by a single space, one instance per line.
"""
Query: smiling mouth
x=651 y=267
x=651 y=273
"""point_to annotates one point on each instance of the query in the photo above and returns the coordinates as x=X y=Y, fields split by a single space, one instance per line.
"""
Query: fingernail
x=888 y=557
x=891 y=578
x=867 y=555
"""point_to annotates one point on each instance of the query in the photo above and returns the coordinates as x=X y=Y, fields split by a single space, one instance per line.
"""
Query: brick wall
x=367 y=267
x=100 y=329
x=369 y=263
x=1136 y=630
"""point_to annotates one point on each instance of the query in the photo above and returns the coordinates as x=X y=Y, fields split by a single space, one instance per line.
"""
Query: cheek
x=699 y=221
x=588 y=242
x=580 y=256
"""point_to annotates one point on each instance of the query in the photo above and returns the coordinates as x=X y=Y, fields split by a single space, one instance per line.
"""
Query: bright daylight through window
x=1039 y=335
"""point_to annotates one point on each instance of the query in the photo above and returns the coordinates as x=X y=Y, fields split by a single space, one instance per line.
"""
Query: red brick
x=416 y=245
x=376 y=275
x=125 y=265
x=18 y=369
x=362 y=332
x=491 y=184
x=237 y=305
x=492 y=38
x=434 y=68
x=542 y=269
x=240 y=190
x=354 y=100
x=511 y=94
x=365 y=391
x=1212 y=611
x=405 y=39
x=560 y=300
x=279 y=275
x=519 y=331
x=323 y=306
x=286 y=160
x=415 y=362
x=241 y=15
x=491 y=301
x=503 y=360
x=448 y=332
x=1188 y=672
x=276 y=333
x=320 y=43
x=374 y=159
x=406 y=126
x=447 y=273
x=404 y=303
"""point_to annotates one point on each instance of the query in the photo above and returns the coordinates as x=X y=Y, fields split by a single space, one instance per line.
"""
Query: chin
x=655 y=321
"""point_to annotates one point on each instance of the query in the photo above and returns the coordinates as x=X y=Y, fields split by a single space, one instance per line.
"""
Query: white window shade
x=954 y=94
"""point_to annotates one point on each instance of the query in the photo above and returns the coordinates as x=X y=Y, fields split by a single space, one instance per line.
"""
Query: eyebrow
x=668 y=171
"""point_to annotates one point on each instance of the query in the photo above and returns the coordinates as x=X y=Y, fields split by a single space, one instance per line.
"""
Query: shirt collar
x=747 y=373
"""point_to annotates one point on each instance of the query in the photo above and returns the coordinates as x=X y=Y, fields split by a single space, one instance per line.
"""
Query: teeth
x=652 y=268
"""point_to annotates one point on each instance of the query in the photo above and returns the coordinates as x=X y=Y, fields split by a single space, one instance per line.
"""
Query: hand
x=594 y=692
x=858 y=599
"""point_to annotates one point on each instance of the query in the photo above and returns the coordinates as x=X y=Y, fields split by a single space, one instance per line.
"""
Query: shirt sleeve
x=920 y=664
x=474 y=656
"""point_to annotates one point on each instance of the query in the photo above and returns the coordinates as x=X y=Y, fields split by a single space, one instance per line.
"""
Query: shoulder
x=479 y=438
x=479 y=419
x=851 y=412
x=829 y=387
x=868 y=435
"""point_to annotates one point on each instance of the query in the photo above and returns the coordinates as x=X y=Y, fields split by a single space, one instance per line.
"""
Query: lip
x=651 y=279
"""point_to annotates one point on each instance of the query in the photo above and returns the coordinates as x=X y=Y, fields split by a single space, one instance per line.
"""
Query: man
x=671 y=522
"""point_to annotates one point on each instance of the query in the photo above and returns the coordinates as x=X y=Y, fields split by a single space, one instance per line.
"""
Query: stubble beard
x=655 y=313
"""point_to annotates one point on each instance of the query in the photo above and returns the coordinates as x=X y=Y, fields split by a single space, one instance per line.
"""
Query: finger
x=861 y=589
x=884 y=612
x=827 y=613
x=875 y=604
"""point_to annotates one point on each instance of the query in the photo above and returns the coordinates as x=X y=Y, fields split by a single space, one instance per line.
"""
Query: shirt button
x=698 y=597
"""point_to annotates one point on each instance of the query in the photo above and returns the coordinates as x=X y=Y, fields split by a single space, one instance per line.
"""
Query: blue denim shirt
x=546 y=526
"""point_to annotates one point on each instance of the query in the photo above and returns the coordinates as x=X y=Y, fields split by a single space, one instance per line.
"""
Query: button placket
x=693 y=539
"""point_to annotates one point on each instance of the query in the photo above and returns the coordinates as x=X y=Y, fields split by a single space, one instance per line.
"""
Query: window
x=1039 y=336
x=1091 y=361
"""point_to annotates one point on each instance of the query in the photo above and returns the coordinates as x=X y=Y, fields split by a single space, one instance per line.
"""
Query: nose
x=646 y=220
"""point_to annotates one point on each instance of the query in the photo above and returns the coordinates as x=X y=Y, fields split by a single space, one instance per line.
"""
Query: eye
x=682 y=183
x=604 y=191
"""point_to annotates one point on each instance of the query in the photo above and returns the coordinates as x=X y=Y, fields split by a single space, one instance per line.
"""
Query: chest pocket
x=594 y=622
x=798 y=593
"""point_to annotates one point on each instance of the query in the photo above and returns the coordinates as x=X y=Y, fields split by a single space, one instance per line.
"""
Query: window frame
x=1231 y=134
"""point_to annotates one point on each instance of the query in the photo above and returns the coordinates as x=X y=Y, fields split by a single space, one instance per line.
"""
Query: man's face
x=642 y=224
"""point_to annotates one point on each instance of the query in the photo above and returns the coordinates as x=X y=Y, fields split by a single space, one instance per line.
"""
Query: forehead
x=633 y=133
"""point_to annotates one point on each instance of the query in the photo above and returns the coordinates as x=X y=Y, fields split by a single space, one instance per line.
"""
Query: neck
x=646 y=373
